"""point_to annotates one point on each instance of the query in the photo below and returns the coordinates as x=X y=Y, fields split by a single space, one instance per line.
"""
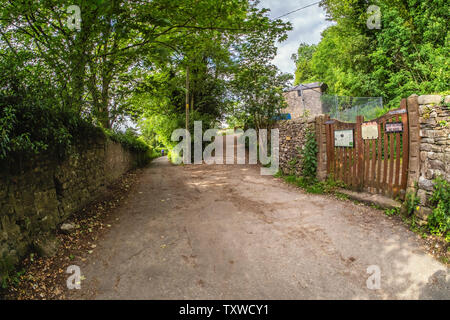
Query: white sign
x=343 y=138
x=369 y=130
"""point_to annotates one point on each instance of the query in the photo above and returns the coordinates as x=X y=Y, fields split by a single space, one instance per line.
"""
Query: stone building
x=304 y=97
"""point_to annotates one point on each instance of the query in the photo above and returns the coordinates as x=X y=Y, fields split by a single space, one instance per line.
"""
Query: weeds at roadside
x=392 y=212
x=341 y=196
x=314 y=186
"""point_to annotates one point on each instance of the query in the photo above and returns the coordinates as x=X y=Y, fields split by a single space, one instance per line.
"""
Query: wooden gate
x=370 y=156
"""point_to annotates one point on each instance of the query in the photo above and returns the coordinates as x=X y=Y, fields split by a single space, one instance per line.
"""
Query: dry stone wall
x=429 y=143
x=292 y=139
x=45 y=192
x=434 y=120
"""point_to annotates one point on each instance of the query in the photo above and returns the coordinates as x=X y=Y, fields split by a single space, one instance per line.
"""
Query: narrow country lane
x=226 y=232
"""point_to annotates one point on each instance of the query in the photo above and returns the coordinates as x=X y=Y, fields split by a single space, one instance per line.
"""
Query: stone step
x=370 y=198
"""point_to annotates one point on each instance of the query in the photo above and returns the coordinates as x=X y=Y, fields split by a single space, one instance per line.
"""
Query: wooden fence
x=370 y=156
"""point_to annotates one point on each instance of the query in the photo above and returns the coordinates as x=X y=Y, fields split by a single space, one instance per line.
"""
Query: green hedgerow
x=128 y=140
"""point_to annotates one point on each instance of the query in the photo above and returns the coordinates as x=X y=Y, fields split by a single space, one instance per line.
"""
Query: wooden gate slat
x=366 y=162
x=379 y=158
x=385 y=159
x=405 y=155
x=354 y=161
x=374 y=154
x=333 y=151
x=360 y=151
x=397 y=165
x=328 y=141
x=336 y=159
x=391 y=162
x=378 y=165
x=336 y=168
x=345 y=165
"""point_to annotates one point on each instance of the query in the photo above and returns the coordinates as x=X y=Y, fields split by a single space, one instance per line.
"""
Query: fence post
x=414 y=141
x=405 y=142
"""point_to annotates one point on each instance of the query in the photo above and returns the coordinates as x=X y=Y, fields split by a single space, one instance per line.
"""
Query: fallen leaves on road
x=45 y=278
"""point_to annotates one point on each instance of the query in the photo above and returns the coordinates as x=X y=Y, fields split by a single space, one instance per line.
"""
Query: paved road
x=226 y=232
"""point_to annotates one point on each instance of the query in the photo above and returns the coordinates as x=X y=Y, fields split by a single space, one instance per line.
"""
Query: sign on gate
x=370 y=156
x=394 y=127
x=369 y=130
x=343 y=138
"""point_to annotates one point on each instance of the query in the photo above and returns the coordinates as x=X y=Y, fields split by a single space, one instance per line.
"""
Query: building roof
x=306 y=86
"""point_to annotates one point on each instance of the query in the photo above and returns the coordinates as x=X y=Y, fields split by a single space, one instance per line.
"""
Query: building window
x=299 y=93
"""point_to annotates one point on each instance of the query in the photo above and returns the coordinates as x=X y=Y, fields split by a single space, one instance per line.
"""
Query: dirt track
x=226 y=232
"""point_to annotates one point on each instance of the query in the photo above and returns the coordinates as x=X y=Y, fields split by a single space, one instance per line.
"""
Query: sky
x=307 y=25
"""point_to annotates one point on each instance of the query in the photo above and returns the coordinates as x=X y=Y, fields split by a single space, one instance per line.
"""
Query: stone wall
x=292 y=138
x=434 y=121
x=429 y=144
x=44 y=192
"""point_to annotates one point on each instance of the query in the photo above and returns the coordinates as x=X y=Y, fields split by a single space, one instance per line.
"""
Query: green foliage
x=279 y=174
x=304 y=72
x=7 y=267
x=411 y=203
x=331 y=185
x=128 y=60
x=341 y=196
x=392 y=212
x=409 y=54
x=259 y=88
x=132 y=142
x=129 y=140
x=29 y=130
x=309 y=156
x=439 y=219
x=313 y=186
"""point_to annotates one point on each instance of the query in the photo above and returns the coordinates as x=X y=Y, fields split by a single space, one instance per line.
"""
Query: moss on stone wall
x=39 y=194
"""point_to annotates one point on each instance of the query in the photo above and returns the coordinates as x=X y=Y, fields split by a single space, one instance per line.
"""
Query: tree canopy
x=127 y=60
x=408 y=54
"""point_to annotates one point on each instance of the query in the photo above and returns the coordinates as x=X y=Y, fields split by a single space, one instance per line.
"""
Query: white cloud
x=307 y=25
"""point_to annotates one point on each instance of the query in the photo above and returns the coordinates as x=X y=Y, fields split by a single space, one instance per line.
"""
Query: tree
x=92 y=66
x=304 y=72
x=218 y=65
x=259 y=89
x=409 y=54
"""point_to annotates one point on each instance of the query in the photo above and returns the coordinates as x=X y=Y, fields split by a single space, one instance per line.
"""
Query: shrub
x=312 y=185
x=34 y=116
x=309 y=156
x=128 y=140
x=439 y=219
x=411 y=202
x=27 y=130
